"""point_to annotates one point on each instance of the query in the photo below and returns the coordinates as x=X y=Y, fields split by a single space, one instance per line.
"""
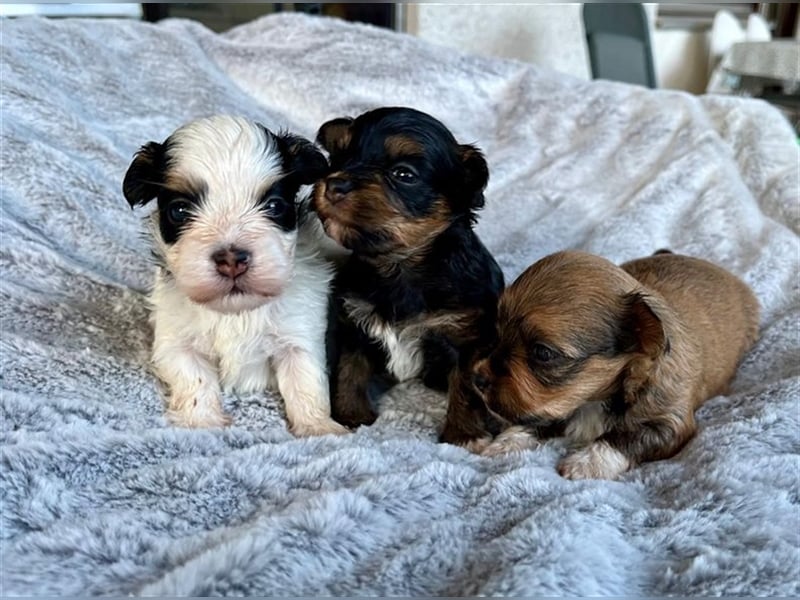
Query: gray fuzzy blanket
x=101 y=496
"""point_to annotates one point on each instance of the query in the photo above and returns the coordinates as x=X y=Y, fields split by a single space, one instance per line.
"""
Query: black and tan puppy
x=418 y=286
x=616 y=358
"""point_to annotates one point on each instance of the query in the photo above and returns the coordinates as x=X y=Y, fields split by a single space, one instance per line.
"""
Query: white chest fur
x=402 y=342
x=237 y=346
x=241 y=347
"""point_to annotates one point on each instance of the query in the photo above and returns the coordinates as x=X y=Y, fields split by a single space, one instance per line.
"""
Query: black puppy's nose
x=481 y=382
x=231 y=262
x=337 y=188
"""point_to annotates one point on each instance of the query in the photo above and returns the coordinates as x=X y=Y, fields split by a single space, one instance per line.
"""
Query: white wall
x=552 y=35
x=681 y=59
x=546 y=34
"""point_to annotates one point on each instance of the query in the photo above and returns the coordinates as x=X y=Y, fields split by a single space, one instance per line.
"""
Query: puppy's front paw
x=356 y=418
x=197 y=413
x=474 y=440
x=476 y=446
x=321 y=427
x=513 y=439
x=597 y=461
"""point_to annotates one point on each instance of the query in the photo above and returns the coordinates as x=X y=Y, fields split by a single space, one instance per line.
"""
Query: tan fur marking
x=398 y=146
x=368 y=208
x=690 y=322
x=179 y=182
x=520 y=393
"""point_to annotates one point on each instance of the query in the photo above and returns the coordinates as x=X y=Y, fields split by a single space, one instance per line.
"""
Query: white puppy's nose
x=231 y=262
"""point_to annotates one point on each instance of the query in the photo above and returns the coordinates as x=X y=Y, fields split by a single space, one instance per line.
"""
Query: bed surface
x=101 y=496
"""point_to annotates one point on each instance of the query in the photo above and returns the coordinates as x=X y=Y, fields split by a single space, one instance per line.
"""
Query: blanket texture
x=100 y=495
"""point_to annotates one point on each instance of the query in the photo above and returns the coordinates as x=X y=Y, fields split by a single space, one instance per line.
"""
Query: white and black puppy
x=241 y=291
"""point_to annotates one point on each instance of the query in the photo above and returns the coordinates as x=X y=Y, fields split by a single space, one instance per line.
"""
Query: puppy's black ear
x=145 y=175
x=335 y=135
x=301 y=158
x=644 y=337
x=476 y=174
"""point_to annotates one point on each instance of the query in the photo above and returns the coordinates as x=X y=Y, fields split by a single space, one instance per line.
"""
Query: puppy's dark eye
x=178 y=211
x=404 y=174
x=275 y=206
x=542 y=354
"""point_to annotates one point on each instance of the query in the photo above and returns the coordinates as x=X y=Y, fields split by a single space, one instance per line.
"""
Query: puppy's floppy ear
x=644 y=312
x=335 y=135
x=145 y=175
x=476 y=173
x=646 y=338
x=301 y=158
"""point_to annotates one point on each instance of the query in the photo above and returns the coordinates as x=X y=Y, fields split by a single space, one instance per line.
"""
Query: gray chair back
x=618 y=38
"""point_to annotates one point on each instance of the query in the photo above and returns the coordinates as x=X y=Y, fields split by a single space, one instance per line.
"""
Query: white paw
x=513 y=439
x=193 y=414
x=596 y=461
x=320 y=427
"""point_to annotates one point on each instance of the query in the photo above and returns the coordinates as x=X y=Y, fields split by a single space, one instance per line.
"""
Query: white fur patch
x=401 y=342
x=235 y=162
x=513 y=439
x=272 y=334
x=597 y=461
x=304 y=387
x=198 y=351
x=201 y=409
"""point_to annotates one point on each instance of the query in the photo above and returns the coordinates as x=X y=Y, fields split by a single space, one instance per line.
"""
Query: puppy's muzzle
x=231 y=262
x=337 y=188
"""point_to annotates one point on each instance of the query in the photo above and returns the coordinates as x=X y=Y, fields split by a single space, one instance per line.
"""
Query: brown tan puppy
x=615 y=358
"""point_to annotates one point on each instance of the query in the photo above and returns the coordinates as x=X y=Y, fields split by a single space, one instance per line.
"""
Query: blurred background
x=750 y=49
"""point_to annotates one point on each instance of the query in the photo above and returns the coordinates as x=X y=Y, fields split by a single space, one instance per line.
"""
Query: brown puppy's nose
x=231 y=262
x=337 y=188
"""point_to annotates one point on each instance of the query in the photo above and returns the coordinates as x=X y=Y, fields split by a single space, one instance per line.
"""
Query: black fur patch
x=458 y=272
x=170 y=230
x=303 y=163
x=444 y=168
x=455 y=272
x=145 y=175
x=279 y=205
